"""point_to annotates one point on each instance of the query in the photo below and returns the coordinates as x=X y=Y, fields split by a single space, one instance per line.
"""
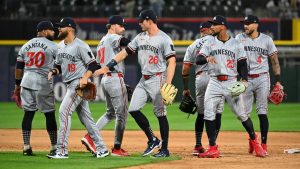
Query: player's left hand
x=82 y=82
x=16 y=96
x=238 y=88
x=277 y=94
x=50 y=74
x=101 y=71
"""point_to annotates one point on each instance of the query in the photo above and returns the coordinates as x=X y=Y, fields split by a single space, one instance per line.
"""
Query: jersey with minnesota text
x=74 y=59
x=226 y=54
x=152 y=51
x=257 y=50
x=193 y=51
x=38 y=54
x=108 y=47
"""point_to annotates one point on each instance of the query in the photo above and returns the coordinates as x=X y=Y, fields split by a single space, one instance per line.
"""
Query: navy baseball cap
x=66 y=22
x=250 y=19
x=219 y=20
x=147 y=14
x=43 y=25
x=116 y=19
x=205 y=25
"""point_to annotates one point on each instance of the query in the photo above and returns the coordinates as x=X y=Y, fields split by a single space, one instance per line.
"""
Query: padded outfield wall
x=183 y=31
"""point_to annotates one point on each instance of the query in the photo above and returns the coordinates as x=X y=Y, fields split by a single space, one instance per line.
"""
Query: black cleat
x=28 y=152
x=51 y=153
x=161 y=153
x=156 y=143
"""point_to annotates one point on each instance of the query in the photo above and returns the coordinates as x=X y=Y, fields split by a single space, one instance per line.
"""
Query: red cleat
x=251 y=148
x=264 y=146
x=259 y=151
x=212 y=152
x=89 y=144
x=120 y=152
x=197 y=150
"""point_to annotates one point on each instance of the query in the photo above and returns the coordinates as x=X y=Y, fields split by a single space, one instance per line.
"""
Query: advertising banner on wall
x=177 y=28
x=94 y=29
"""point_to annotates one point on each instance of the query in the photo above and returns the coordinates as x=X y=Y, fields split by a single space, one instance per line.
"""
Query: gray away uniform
x=73 y=59
x=226 y=54
x=113 y=86
x=152 y=56
x=38 y=54
x=201 y=71
x=257 y=50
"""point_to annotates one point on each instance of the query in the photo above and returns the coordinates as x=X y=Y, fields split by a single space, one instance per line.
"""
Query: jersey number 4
x=153 y=60
x=259 y=59
x=35 y=58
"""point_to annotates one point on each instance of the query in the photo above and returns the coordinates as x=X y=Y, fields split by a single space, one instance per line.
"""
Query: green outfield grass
x=285 y=117
x=77 y=160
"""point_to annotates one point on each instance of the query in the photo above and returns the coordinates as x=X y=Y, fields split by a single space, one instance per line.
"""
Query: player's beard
x=215 y=33
x=249 y=32
x=62 y=35
x=50 y=37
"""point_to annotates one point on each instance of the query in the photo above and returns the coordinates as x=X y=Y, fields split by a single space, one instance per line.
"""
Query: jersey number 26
x=153 y=59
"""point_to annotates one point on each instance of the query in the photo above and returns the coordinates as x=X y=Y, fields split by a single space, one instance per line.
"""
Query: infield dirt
x=233 y=146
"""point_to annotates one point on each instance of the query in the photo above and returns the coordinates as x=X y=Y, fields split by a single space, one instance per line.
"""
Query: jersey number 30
x=35 y=58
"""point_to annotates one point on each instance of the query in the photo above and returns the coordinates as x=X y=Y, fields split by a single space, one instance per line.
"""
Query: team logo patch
x=91 y=55
x=172 y=47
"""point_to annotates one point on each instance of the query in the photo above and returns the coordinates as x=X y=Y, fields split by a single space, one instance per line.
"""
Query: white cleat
x=58 y=156
x=102 y=154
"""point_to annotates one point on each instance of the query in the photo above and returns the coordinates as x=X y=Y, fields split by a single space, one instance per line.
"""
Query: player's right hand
x=50 y=74
x=211 y=60
x=186 y=92
x=101 y=71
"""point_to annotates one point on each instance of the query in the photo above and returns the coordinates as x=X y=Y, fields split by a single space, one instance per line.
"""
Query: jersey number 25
x=230 y=64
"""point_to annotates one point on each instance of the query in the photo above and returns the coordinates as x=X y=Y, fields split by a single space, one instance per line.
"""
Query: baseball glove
x=188 y=105
x=129 y=91
x=277 y=94
x=168 y=93
x=17 y=97
x=238 y=88
x=88 y=92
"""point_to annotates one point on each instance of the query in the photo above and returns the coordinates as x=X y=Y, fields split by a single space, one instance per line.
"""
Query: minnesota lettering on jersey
x=36 y=45
x=223 y=52
x=148 y=47
x=67 y=56
x=256 y=49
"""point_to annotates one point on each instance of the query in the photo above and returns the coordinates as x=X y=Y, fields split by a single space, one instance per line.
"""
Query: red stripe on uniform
x=123 y=94
x=162 y=102
x=66 y=122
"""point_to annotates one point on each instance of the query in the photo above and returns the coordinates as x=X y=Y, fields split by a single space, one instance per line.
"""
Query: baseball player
x=258 y=48
x=201 y=81
x=113 y=85
x=154 y=49
x=35 y=59
x=227 y=58
x=75 y=61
